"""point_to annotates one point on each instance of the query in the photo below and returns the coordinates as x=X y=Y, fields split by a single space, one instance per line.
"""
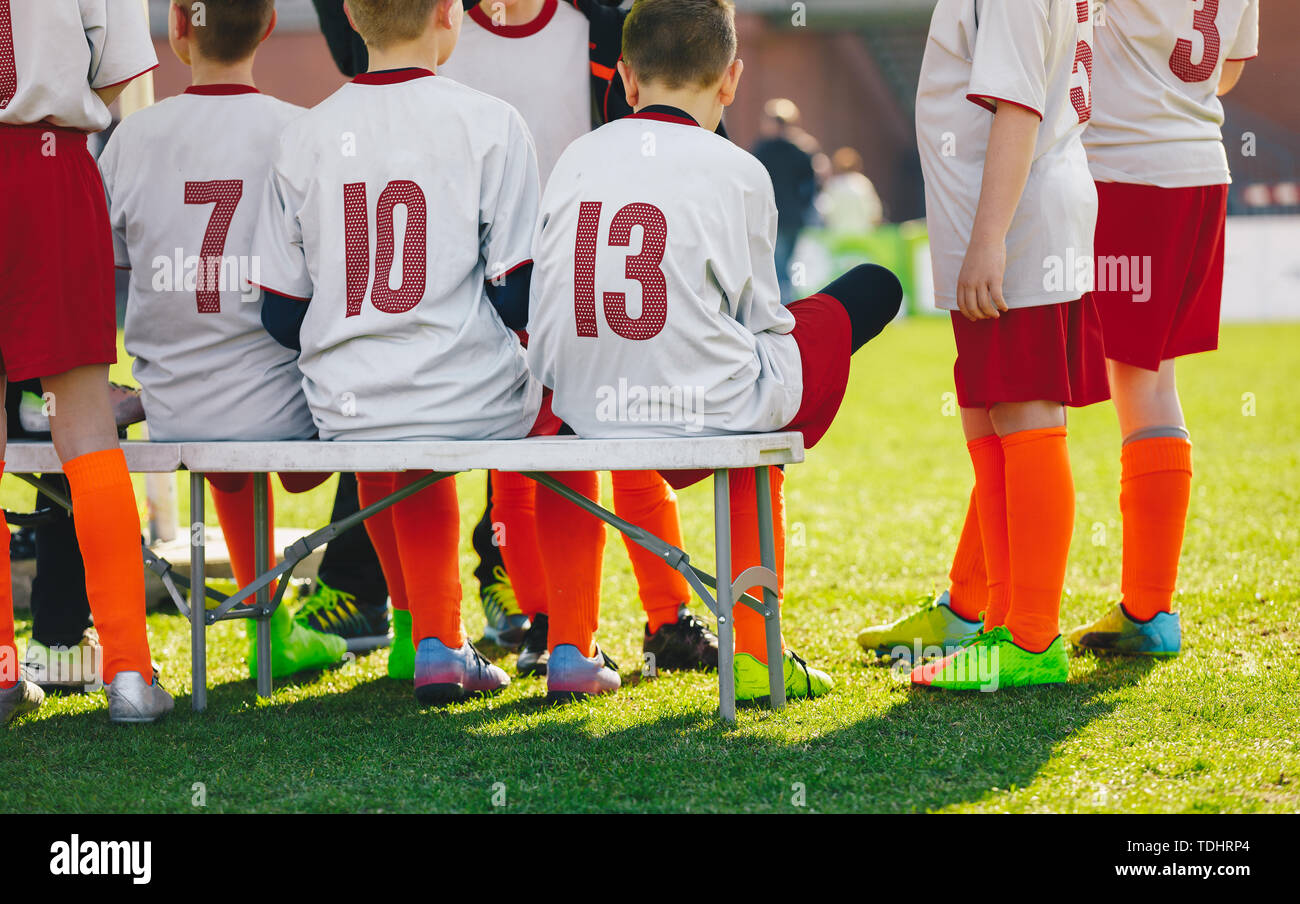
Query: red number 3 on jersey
x=644 y=267
x=1180 y=61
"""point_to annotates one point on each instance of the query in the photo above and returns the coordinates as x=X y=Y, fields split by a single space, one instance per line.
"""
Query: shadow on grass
x=372 y=748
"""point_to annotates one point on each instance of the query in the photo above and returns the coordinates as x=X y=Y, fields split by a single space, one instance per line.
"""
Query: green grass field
x=873 y=519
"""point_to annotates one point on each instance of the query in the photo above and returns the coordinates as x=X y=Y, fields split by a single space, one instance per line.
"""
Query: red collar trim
x=220 y=90
x=665 y=117
x=516 y=31
x=392 y=76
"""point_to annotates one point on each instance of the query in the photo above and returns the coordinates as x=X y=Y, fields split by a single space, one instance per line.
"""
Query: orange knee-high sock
x=8 y=650
x=1154 y=491
x=514 y=517
x=968 y=587
x=751 y=630
x=573 y=546
x=427 y=526
x=646 y=499
x=370 y=489
x=235 y=514
x=108 y=532
x=991 y=504
x=1040 y=523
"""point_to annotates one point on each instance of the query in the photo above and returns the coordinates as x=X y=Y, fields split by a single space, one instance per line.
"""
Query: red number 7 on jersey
x=225 y=194
x=8 y=67
x=643 y=267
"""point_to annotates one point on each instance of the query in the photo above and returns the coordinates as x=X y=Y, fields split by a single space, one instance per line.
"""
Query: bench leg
x=767 y=553
x=198 y=598
x=726 y=630
x=261 y=565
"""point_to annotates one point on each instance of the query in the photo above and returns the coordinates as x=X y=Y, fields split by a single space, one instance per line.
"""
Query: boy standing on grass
x=655 y=266
x=62 y=62
x=183 y=179
x=1156 y=150
x=1001 y=106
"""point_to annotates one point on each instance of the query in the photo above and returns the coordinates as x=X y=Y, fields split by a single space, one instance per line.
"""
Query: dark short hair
x=680 y=42
x=228 y=31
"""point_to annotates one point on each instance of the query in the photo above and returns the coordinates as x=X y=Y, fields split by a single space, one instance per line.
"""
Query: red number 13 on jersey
x=643 y=267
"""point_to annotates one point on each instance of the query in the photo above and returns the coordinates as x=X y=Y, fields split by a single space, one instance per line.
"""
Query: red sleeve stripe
x=278 y=292
x=131 y=79
x=983 y=101
x=517 y=266
x=1240 y=59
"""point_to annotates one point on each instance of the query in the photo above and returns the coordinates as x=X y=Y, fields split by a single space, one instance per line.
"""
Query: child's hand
x=979 y=284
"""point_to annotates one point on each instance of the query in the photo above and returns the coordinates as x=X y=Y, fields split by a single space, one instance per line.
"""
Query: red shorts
x=1176 y=236
x=1051 y=352
x=824 y=335
x=293 y=481
x=57 y=306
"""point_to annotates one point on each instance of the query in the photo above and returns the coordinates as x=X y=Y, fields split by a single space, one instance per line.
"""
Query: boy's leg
x=105 y=514
x=1040 y=517
x=511 y=605
x=427 y=528
x=370 y=489
x=573 y=548
x=16 y=697
x=968 y=581
x=108 y=532
x=989 y=462
x=673 y=636
x=1155 y=489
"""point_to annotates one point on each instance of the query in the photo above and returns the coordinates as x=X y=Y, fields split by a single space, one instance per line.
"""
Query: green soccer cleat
x=930 y=632
x=401 y=653
x=801 y=680
x=1119 y=632
x=294 y=646
x=993 y=661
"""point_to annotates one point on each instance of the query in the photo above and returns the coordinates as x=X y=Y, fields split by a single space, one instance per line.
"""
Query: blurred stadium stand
x=852 y=67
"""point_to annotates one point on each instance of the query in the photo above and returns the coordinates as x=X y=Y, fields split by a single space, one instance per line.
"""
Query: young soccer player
x=1001 y=107
x=61 y=63
x=561 y=77
x=549 y=83
x=673 y=228
x=1156 y=151
x=184 y=178
x=385 y=207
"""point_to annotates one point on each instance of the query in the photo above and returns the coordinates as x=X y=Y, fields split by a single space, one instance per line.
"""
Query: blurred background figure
x=848 y=203
x=787 y=153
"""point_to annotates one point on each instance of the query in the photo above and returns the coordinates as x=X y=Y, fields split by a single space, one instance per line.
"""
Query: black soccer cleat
x=684 y=645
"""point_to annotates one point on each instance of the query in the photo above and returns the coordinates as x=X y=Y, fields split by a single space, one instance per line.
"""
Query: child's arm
x=1006 y=170
x=1231 y=73
x=509 y=202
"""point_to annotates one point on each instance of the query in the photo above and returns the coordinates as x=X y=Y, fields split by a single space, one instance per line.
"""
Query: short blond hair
x=384 y=22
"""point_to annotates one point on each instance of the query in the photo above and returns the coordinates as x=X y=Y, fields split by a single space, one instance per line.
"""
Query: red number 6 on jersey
x=1180 y=61
x=644 y=267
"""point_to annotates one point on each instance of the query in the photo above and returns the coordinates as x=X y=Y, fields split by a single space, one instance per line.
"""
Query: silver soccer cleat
x=130 y=699
x=23 y=697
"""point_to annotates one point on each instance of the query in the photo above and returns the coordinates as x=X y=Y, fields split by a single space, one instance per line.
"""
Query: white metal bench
x=534 y=457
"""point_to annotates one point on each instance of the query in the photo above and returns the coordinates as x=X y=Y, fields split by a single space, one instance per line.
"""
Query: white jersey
x=1034 y=54
x=184 y=179
x=55 y=53
x=655 y=307
x=1158 y=120
x=389 y=206
x=541 y=69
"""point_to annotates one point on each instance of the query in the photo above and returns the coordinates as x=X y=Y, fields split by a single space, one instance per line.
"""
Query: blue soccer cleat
x=1119 y=632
